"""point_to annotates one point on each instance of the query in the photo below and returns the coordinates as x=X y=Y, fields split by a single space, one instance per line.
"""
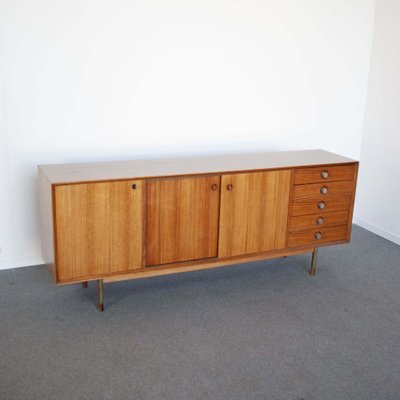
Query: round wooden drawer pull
x=324 y=174
x=214 y=186
x=321 y=205
x=318 y=235
x=319 y=221
x=229 y=187
x=324 y=190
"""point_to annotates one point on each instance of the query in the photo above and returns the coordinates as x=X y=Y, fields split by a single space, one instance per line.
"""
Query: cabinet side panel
x=350 y=222
x=46 y=222
x=126 y=225
x=82 y=220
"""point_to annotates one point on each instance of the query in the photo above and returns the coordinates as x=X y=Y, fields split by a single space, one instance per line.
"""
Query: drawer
x=324 y=174
x=316 y=204
x=325 y=220
x=317 y=236
x=323 y=189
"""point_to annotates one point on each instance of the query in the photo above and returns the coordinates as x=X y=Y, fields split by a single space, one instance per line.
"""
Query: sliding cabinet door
x=99 y=228
x=254 y=212
x=182 y=219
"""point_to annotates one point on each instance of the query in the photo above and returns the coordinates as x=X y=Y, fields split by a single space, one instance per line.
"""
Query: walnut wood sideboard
x=113 y=221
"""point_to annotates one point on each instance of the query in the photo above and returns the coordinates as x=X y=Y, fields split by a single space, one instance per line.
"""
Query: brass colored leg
x=100 y=305
x=313 y=262
x=84 y=285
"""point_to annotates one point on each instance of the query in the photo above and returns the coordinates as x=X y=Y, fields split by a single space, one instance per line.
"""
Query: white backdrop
x=378 y=205
x=87 y=80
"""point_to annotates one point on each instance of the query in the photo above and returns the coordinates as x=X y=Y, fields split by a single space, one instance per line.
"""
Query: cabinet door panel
x=99 y=229
x=254 y=212
x=126 y=225
x=182 y=219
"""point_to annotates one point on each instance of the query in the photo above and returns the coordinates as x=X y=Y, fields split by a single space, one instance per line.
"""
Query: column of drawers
x=321 y=204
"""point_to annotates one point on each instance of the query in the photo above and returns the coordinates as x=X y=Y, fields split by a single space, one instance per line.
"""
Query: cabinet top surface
x=178 y=166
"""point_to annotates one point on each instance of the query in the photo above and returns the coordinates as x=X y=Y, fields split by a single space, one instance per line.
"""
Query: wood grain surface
x=99 y=228
x=182 y=219
x=304 y=222
x=308 y=237
x=309 y=205
x=196 y=165
x=153 y=217
x=314 y=189
x=335 y=173
x=254 y=213
x=126 y=225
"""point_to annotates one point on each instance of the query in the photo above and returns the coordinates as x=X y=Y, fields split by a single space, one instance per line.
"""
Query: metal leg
x=100 y=304
x=84 y=285
x=313 y=262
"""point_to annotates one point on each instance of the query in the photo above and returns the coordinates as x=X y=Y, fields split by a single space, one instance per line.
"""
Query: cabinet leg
x=84 y=285
x=100 y=304
x=313 y=262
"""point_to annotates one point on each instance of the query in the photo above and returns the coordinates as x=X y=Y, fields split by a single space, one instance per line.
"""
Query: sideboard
x=120 y=220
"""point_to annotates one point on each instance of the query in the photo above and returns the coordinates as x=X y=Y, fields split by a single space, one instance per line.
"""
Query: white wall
x=6 y=231
x=100 y=80
x=378 y=204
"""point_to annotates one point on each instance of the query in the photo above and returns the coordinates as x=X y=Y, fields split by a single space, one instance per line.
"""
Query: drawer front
x=316 y=204
x=324 y=174
x=317 y=236
x=312 y=221
x=323 y=189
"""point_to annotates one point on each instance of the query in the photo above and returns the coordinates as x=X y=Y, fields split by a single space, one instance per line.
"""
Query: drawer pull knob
x=321 y=205
x=319 y=221
x=229 y=187
x=324 y=174
x=324 y=190
x=318 y=235
x=214 y=186
x=134 y=186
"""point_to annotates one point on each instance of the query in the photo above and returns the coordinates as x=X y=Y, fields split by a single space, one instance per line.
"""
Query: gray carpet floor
x=265 y=330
